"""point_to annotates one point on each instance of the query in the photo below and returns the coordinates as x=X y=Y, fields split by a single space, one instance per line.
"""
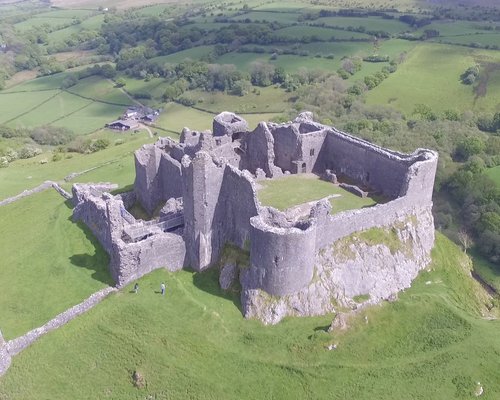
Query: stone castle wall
x=102 y=213
x=281 y=258
x=213 y=175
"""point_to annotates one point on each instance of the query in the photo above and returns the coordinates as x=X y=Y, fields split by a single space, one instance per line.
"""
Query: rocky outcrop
x=228 y=276
x=363 y=268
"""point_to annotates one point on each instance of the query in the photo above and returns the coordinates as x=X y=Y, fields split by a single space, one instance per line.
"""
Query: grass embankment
x=194 y=343
x=293 y=190
x=48 y=262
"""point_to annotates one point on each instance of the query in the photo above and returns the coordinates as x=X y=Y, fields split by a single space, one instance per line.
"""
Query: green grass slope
x=48 y=263
x=194 y=344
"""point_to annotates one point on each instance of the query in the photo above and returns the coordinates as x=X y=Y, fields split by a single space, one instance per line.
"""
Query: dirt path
x=142 y=126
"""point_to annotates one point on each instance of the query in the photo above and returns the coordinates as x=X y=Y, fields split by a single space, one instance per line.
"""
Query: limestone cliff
x=365 y=267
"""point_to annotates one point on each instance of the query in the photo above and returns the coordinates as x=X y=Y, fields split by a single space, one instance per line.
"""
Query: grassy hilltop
x=391 y=72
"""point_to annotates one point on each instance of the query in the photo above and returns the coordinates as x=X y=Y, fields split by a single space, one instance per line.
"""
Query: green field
x=283 y=17
x=391 y=26
x=48 y=263
x=57 y=107
x=29 y=173
x=264 y=100
x=14 y=105
x=432 y=66
x=99 y=89
x=38 y=84
x=92 y=23
x=476 y=40
x=194 y=343
x=176 y=116
x=299 y=31
x=293 y=190
x=190 y=54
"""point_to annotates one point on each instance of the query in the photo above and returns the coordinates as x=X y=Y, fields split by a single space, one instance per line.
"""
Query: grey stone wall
x=229 y=124
x=102 y=213
x=281 y=258
x=353 y=268
x=147 y=184
x=201 y=187
x=170 y=177
x=311 y=145
x=236 y=205
x=286 y=146
x=130 y=261
x=5 y=357
x=259 y=151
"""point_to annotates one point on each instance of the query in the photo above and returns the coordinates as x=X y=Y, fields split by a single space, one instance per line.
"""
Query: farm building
x=123 y=124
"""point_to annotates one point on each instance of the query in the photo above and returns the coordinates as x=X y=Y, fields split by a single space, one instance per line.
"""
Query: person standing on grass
x=162 y=288
x=136 y=287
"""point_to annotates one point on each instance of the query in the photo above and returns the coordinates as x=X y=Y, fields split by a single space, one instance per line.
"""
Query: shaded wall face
x=259 y=150
x=311 y=147
x=282 y=262
x=364 y=164
x=170 y=178
x=237 y=204
x=147 y=184
x=286 y=147
x=202 y=181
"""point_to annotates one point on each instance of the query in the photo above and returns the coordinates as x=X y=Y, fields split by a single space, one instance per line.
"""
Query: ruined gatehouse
x=203 y=191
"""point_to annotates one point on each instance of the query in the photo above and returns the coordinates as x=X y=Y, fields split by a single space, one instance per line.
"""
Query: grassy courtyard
x=292 y=190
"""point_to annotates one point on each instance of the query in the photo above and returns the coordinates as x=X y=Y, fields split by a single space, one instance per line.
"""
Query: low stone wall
x=26 y=193
x=15 y=346
x=5 y=357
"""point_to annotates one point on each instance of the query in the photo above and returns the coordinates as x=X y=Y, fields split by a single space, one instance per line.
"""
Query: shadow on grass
x=69 y=204
x=208 y=281
x=98 y=262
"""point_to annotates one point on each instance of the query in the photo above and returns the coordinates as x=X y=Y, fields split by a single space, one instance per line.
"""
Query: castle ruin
x=203 y=191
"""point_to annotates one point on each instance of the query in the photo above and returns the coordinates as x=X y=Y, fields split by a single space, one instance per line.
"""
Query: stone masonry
x=204 y=190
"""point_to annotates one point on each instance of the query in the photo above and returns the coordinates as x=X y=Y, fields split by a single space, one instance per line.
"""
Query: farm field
x=370 y=24
x=176 y=116
x=192 y=54
x=14 y=105
x=283 y=17
x=433 y=334
x=48 y=263
x=298 y=32
x=428 y=67
x=294 y=190
x=264 y=100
